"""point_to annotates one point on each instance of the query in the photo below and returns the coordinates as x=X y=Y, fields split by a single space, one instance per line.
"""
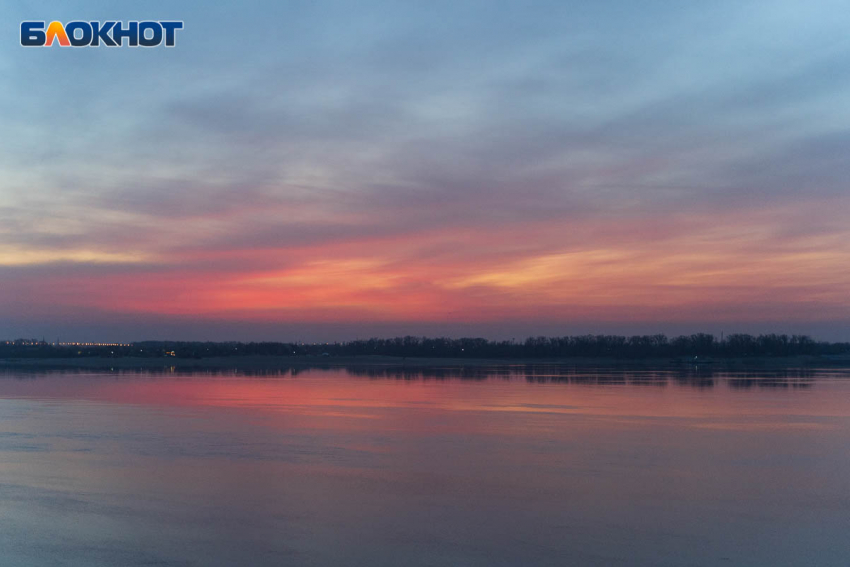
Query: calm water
x=525 y=467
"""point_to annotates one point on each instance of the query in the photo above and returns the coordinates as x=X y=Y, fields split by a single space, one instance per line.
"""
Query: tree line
x=582 y=346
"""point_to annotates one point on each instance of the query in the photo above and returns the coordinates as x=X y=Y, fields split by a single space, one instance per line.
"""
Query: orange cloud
x=691 y=267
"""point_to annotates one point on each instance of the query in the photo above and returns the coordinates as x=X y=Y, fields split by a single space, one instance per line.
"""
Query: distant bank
x=637 y=347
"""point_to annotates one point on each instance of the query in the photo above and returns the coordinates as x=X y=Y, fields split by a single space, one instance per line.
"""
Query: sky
x=335 y=170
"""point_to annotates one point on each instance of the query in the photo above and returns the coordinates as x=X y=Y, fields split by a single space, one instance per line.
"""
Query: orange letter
x=57 y=30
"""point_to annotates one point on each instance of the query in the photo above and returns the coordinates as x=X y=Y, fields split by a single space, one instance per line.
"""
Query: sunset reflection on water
x=490 y=466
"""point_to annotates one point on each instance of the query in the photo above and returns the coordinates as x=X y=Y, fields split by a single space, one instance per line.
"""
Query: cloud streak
x=482 y=166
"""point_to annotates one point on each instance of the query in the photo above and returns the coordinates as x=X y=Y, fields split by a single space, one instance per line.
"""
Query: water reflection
x=383 y=466
x=695 y=377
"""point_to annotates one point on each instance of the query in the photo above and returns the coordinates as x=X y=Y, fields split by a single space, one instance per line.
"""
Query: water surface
x=369 y=466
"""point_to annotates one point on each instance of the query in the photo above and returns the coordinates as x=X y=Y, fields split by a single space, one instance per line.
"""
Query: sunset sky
x=325 y=171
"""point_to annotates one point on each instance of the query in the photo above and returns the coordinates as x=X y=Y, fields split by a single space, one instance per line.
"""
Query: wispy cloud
x=477 y=163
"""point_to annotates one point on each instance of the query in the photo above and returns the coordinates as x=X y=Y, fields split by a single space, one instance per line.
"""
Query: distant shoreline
x=284 y=362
